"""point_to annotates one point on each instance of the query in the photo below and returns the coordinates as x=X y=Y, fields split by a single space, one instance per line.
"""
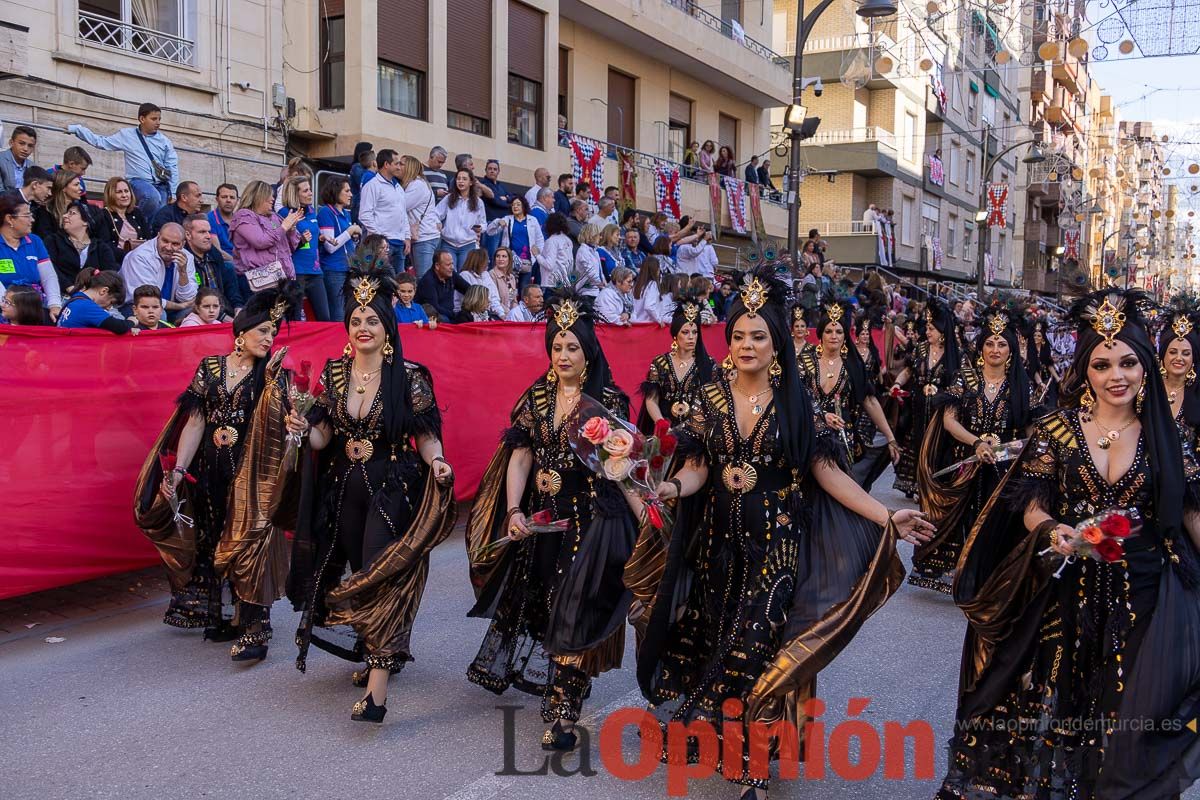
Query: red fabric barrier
x=81 y=408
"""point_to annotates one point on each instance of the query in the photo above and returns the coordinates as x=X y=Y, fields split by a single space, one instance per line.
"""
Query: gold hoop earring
x=1162 y=370
x=388 y=352
x=551 y=376
x=238 y=344
x=674 y=348
x=583 y=375
x=348 y=350
x=844 y=351
x=1140 y=399
x=1087 y=401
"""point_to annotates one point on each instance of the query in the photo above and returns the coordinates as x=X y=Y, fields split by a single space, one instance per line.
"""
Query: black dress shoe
x=558 y=739
x=365 y=710
x=223 y=632
x=248 y=652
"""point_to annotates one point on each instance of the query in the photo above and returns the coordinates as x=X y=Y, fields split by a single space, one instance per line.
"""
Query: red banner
x=82 y=407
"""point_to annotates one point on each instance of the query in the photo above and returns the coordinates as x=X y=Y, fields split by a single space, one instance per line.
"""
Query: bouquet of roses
x=166 y=460
x=541 y=522
x=614 y=449
x=1102 y=537
x=302 y=402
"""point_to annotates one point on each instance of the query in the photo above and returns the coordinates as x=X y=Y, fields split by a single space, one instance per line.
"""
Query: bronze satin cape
x=175 y=542
x=380 y=601
x=944 y=499
x=253 y=551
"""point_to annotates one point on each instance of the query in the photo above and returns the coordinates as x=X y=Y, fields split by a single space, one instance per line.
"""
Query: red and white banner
x=666 y=189
x=714 y=203
x=627 y=163
x=1071 y=244
x=735 y=196
x=758 y=226
x=937 y=173
x=938 y=254
x=997 y=195
x=587 y=163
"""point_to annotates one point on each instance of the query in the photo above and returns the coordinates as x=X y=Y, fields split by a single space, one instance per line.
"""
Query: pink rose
x=619 y=444
x=617 y=469
x=596 y=430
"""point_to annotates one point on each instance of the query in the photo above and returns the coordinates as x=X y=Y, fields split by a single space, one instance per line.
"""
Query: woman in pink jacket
x=259 y=236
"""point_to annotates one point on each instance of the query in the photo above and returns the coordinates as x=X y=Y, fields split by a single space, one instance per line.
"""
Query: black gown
x=378 y=512
x=1046 y=658
x=765 y=581
x=675 y=397
x=953 y=502
x=925 y=381
x=556 y=600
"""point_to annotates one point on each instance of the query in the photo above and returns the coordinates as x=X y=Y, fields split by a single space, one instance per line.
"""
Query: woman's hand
x=1064 y=543
x=518 y=528
x=442 y=471
x=296 y=423
x=985 y=453
x=433 y=324
x=291 y=219
x=912 y=527
x=834 y=421
x=169 y=483
x=894 y=451
x=667 y=490
x=354 y=230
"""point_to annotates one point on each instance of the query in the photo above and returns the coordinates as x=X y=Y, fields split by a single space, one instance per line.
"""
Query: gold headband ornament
x=277 y=311
x=364 y=291
x=997 y=324
x=754 y=296
x=1108 y=321
x=1182 y=327
x=797 y=313
x=566 y=315
x=690 y=312
x=835 y=312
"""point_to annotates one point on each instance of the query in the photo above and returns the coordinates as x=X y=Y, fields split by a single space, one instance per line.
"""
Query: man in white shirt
x=530 y=307
x=541 y=180
x=382 y=210
x=163 y=262
x=698 y=257
x=606 y=213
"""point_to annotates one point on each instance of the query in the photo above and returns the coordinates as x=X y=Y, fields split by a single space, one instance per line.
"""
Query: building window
x=970 y=181
x=973 y=105
x=910 y=136
x=955 y=154
x=679 y=131
x=564 y=102
x=401 y=90
x=333 y=65
x=161 y=29
x=952 y=235
x=468 y=123
x=908 y=223
x=524 y=111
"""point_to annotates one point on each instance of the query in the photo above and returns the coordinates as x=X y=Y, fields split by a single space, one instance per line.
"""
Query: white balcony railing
x=843 y=227
x=861 y=40
x=854 y=135
x=109 y=32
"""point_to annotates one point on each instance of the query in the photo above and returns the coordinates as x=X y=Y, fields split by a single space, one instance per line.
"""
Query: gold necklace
x=570 y=400
x=1106 y=440
x=232 y=369
x=993 y=386
x=364 y=378
x=756 y=407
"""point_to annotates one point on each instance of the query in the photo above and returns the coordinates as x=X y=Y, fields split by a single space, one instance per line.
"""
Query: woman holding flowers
x=555 y=597
x=776 y=557
x=1074 y=657
x=185 y=491
x=672 y=385
x=381 y=498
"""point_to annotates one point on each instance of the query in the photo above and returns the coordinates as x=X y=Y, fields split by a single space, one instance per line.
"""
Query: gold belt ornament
x=930 y=390
x=739 y=478
x=680 y=409
x=359 y=450
x=225 y=436
x=548 y=482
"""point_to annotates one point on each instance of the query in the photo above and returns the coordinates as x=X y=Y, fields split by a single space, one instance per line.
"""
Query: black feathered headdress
x=570 y=311
x=274 y=304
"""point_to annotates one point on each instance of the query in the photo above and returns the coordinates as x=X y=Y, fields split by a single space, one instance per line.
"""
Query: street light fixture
x=867 y=9
x=1034 y=156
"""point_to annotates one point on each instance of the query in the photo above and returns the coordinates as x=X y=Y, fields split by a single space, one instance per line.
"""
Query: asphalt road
x=126 y=707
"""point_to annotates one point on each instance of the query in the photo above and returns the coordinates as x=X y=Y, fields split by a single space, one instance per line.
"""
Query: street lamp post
x=1035 y=156
x=868 y=9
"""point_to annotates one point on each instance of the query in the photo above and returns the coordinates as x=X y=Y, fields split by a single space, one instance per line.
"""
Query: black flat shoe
x=558 y=739
x=365 y=710
x=224 y=632
x=248 y=652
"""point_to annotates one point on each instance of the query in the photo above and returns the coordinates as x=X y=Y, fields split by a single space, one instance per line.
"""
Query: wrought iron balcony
x=97 y=29
x=725 y=28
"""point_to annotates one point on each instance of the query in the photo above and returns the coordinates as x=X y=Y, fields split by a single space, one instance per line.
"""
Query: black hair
x=146 y=109
x=332 y=188
x=556 y=223
x=89 y=278
x=23 y=130
x=147 y=290
x=28 y=304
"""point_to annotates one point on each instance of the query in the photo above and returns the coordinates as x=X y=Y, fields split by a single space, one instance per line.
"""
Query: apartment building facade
x=910 y=110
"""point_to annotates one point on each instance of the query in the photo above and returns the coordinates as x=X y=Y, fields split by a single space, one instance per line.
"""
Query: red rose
x=541 y=518
x=301 y=383
x=1110 y=550
x=657 y=462
x=166 y=460
x=1117 y=526
x=655 y=517
x=639 y=472
x=667 y=445
x=661 y=427
x=306 y=369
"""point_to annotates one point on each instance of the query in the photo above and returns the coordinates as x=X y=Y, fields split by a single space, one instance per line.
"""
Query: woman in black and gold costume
x=983 y=408
x=1039 y=363
x=1066 y=681
x=1178 y=344
x=800 y=330
x=931 y=369
x=673 y=383
x=381 y=498
x=208 y=433
x=878 y=450
x=843 y=391
x=556 y=599
x=777 y=556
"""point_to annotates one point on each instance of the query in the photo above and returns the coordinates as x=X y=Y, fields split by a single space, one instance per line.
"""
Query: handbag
x=263 y=277
x=161 y=174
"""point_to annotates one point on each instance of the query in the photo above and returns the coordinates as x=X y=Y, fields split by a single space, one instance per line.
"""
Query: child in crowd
x=97 y=290
x=702 y=289
x=22 y=305
x=148 y=309
x=77 y=160
x=406 y=309
x=207 y=310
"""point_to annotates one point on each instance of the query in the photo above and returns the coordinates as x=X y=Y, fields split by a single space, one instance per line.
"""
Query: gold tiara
x=567 y=314
x=754 y=296
x=278 y=310
x=1108 y=321
x=690 y=312
x=1182 y=326
x=997 y=324
x=797 y=313
x=835 y=312
x=364 y=291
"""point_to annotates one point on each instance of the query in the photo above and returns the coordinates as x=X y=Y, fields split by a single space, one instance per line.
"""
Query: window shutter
x=681 y=109
x=526 y=42
x=469 y=69
x=403 y=27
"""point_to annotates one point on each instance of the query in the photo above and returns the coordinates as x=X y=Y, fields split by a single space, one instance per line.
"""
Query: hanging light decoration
x=1193 y=169
x=1003 y=56
x=1166 y=170
x=1126 y=47
x=925 y=64
x=1048 y=51
x=932 y=7
x=884 y=64
x=1078 y=47
x=1077 y=174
